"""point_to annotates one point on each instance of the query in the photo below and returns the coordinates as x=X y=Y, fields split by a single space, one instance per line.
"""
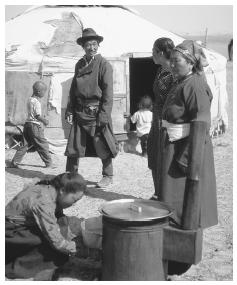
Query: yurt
x=41 y=44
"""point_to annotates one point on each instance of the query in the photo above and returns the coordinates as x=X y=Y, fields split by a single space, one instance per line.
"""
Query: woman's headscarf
x=193 y=52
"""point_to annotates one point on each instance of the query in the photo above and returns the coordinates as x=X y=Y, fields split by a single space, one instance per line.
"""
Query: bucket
x=92 y=232
x=133 y=240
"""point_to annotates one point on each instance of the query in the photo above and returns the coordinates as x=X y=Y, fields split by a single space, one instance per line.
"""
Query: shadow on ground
x=94 y=192
x=25 y=173
x=90 y=183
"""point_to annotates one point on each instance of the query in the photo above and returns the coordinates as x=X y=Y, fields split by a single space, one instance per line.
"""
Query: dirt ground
x=132 y=178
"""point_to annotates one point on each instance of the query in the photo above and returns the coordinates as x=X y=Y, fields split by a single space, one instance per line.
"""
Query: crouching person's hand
x=68 y=247
x=71 y=248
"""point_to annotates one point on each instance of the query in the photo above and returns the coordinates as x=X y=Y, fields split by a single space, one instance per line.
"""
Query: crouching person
x=38 y=235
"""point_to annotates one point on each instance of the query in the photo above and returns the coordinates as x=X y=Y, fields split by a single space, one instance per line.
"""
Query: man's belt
x=88 y=109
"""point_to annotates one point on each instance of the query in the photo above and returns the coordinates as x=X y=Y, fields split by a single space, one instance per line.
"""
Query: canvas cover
x=42 y=40
x=50 y=40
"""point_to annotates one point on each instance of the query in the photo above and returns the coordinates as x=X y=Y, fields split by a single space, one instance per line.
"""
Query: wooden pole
x=205 y=40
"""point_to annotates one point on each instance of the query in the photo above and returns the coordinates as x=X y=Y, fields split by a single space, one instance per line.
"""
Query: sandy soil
x=132 y=178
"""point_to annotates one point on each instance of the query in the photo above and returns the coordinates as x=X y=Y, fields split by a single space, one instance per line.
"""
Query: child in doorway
x=143 y=118
x=33 y=132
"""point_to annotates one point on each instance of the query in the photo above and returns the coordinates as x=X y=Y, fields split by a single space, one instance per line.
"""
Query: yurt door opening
x=141 y=73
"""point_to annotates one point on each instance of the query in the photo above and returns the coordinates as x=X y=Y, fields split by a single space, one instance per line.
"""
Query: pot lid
x=135 y=210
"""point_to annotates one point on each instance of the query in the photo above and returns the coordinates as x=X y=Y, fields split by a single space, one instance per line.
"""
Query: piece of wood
x=182 y=245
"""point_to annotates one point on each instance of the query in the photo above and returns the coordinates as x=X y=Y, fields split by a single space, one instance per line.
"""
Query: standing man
x=89 y=109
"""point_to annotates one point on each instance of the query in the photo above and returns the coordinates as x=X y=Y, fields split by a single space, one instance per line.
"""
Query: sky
x=184 y=19
x=180 y=19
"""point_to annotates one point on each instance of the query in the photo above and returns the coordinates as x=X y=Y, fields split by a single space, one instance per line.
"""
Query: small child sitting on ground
x=143 y=119
x=33 y=132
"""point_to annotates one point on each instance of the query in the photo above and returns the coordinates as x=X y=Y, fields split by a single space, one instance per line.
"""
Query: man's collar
x=87 y=63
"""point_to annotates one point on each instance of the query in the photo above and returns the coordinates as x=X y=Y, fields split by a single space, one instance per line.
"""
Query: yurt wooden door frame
x=133 y=78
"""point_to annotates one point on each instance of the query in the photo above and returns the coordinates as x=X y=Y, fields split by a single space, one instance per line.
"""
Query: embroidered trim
x=186 y=53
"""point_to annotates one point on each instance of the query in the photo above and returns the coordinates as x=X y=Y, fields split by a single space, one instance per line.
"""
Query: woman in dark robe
x=38 y=235
x=188 y=182
x=187 y=152
x=163 y=81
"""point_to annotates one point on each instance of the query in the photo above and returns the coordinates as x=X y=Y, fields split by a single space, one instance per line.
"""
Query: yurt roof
x=45 y=36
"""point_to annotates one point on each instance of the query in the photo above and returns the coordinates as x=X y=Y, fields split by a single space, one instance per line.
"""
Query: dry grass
x=132 y=178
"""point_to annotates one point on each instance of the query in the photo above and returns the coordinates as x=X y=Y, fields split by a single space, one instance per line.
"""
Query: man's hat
x=89 y=34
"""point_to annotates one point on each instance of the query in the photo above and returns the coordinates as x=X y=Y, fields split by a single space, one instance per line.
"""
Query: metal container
x=133 y=240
